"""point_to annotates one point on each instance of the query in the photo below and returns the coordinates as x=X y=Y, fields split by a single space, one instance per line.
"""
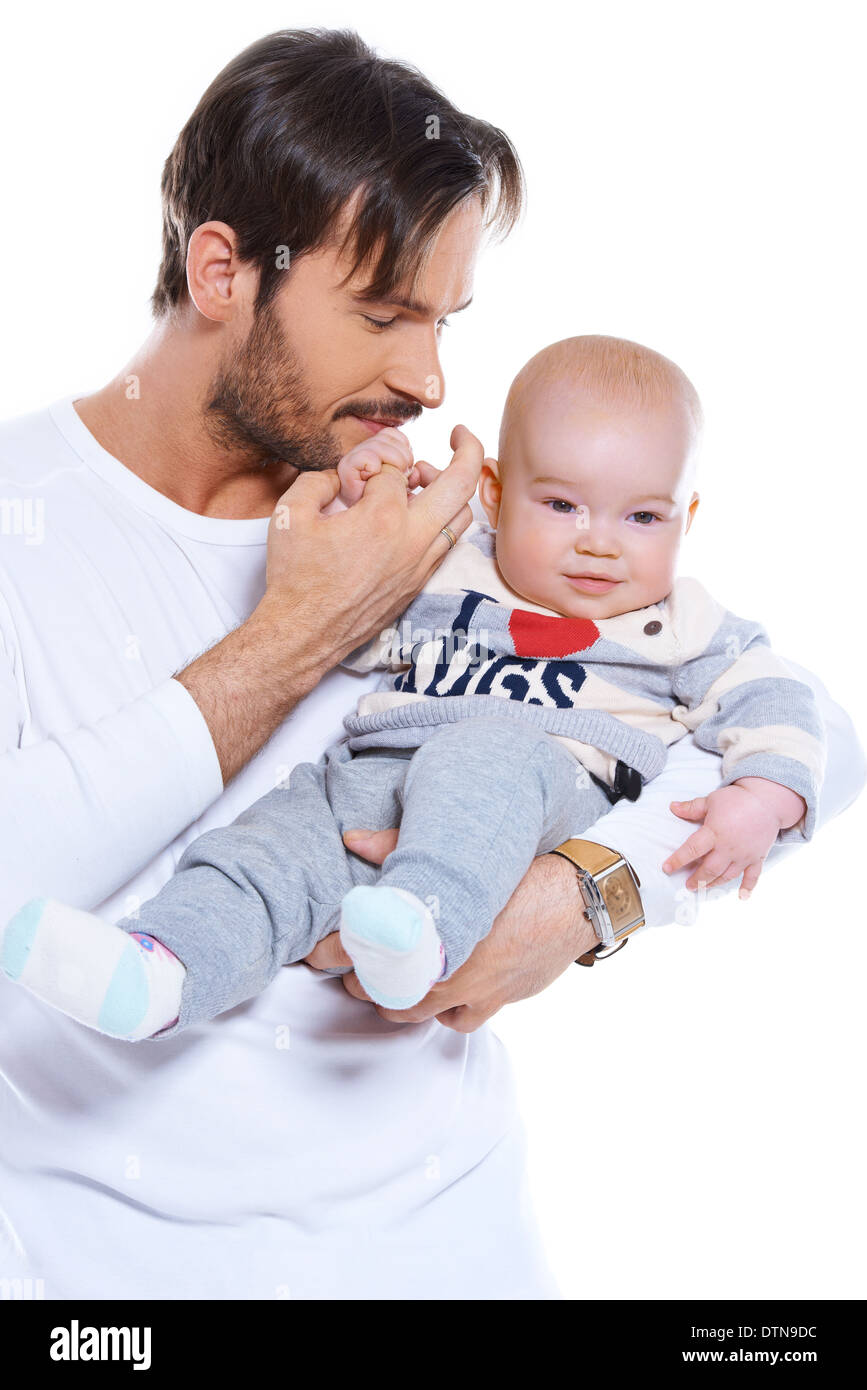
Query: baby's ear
x=691 y=511
x=490 y=490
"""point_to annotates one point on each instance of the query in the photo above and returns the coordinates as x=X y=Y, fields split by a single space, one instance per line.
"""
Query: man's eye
x=381 y=324
x=559 y=504
x=645 y=518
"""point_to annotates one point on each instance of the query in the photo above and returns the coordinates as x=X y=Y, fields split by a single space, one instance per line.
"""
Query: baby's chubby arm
x=388 y=446
x=740 y=824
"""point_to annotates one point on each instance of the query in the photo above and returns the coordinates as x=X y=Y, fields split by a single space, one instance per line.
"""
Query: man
x=167 y=654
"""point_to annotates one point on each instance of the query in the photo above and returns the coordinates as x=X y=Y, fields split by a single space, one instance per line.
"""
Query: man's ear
x=216 y=279
x=490 y=490
x=691 y=510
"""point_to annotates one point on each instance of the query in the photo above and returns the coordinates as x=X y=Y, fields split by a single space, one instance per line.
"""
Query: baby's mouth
x=592 y=583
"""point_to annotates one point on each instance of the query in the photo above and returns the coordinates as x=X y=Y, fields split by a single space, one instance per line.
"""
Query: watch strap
x=610 y=888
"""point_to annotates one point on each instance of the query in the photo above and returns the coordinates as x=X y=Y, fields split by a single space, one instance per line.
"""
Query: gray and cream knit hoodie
x=615 y=691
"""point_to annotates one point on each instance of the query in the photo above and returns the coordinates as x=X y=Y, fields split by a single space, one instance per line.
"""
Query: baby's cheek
x=517 y=559
x=528 y=547
x=656 y=571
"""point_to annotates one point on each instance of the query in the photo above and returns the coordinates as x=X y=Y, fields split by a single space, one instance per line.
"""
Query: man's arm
x=81 y=813
x=333 y=583
x=541 y=930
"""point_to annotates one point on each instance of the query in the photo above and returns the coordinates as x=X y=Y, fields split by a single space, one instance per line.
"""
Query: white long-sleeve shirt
x=289 y=1148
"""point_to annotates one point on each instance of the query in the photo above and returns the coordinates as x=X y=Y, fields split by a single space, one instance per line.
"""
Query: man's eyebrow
x=412 y=306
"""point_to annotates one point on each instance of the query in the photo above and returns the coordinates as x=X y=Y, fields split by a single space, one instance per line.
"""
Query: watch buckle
x=600 y=952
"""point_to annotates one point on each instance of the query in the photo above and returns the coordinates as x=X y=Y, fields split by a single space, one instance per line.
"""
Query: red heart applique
x=535 y=634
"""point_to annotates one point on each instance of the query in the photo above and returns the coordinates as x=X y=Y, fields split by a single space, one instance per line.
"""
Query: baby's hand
x=388 y=446
x=738 y=831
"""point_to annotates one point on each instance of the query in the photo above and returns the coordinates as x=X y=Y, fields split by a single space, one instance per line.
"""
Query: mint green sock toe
x=381 y=916
x=126 y=999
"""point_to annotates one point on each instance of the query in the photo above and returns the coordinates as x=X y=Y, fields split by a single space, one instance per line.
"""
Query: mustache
x=378 y=410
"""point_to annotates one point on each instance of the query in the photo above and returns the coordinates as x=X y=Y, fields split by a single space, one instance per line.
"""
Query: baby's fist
x=388 y=446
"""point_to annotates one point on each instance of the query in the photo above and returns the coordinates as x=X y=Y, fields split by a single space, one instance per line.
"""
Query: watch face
x=621 y=899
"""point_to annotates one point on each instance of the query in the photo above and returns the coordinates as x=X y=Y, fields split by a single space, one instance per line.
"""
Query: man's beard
x=258 y=403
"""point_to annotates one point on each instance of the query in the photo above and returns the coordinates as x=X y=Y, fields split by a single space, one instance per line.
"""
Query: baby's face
x=589 y=489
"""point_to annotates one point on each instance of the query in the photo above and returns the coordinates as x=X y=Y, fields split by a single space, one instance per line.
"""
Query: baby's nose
x=596 y=539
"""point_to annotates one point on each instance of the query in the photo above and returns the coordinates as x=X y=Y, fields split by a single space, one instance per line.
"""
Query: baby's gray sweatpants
x=475 y=803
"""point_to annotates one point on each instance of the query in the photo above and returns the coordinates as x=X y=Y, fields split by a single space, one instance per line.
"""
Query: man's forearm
x=247 y=684
x=563 y=898
x=69 y=828
x=357 y=571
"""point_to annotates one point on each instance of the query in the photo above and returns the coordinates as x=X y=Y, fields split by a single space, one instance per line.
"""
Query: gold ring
x=449 y=535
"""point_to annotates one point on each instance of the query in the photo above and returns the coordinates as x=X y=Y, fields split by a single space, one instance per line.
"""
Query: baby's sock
x=125 y=984
x=394 y=945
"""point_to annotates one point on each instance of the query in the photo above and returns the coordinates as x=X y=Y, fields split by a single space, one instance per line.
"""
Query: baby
x=541 y=674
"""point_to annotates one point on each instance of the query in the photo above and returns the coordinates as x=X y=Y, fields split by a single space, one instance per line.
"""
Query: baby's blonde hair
x=610 y=370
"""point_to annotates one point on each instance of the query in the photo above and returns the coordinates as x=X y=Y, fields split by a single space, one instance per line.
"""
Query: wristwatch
x=609 y=886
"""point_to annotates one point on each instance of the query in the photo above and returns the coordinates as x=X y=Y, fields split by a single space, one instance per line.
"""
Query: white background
x=695 y=174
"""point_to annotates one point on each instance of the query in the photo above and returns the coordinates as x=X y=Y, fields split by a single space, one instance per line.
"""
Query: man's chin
x=309 y=455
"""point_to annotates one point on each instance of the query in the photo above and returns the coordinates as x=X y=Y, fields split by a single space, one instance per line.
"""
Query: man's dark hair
x=293 y=126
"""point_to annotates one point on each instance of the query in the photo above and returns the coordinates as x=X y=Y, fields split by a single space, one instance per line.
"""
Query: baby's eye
x=645 y=518
x=559 y=504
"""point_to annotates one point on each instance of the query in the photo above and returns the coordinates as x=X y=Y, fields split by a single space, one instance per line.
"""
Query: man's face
x=318 y=360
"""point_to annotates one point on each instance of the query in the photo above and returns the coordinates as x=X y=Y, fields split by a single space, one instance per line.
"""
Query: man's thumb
x=373 y=845
x=312 y=490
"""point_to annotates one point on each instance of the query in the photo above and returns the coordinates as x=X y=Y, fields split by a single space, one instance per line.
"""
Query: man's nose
x=417 y=372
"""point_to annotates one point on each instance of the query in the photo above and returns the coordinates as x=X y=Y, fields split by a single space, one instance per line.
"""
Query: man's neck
x=149 y=417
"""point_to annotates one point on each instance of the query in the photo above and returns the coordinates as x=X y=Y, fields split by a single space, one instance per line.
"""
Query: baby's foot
x=122 y=983
x=394 y=945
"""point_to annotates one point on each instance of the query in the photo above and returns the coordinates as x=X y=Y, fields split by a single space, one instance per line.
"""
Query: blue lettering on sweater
x=455 y=663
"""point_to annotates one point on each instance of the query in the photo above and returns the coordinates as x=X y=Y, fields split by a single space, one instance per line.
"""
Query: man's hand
x=332 y=583
x=345 y=577
x=740 y=824
x=539 y=933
